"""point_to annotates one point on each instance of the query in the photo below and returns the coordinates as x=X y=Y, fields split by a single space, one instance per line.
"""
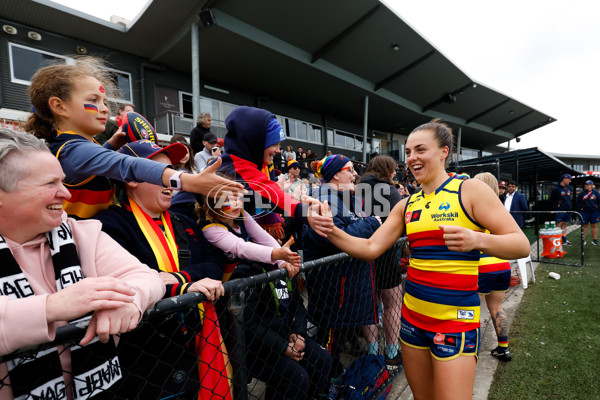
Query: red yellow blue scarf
x=162 y=244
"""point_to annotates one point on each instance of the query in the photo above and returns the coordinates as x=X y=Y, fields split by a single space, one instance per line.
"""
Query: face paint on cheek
x=226 y=207
x=101 y=89
x=90 y=108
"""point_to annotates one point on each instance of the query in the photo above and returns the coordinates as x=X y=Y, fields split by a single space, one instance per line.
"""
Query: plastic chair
x=522 y=263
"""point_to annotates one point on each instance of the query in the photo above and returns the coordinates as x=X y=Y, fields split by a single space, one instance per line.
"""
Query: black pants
x=288 y=379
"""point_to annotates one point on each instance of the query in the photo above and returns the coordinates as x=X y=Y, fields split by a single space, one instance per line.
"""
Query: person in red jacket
x=251 y=143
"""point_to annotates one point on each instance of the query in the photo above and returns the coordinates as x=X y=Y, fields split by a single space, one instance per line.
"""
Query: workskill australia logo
x=445 y=214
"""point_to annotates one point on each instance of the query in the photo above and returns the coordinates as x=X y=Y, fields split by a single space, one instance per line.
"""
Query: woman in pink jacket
x=57 y=270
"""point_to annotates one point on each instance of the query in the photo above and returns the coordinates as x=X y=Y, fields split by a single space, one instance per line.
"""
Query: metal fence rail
x=186 y=347
x=535 y=220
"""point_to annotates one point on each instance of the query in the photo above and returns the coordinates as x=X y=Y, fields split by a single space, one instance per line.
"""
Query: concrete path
x=486 y=367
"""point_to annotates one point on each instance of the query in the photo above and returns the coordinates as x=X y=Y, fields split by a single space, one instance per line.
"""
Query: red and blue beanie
x=275 y=133
x=331 y=165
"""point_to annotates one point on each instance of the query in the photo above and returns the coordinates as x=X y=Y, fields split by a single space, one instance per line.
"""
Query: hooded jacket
x=379 y=197
x=243 y=159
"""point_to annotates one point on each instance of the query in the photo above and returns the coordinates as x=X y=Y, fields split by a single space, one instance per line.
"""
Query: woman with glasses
x=342 y=296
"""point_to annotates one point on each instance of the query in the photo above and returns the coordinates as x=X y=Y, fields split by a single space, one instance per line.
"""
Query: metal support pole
x=237 y=353
x=365 y=123
x=458 y=145
x=195 y=71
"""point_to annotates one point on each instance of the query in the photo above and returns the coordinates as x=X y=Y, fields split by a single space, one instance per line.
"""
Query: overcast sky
x=545 y=54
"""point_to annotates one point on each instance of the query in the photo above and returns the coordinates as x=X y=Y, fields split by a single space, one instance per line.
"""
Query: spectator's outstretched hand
x=110 y=322
x=291 y=269
x=119 y=139
x=284 y=253
x=210 y=184
x=320 y=219
x=211 y=288
x=87 y=295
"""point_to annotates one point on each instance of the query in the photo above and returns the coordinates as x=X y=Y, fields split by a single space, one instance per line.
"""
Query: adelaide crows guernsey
x=90 y=195
x=441 y=285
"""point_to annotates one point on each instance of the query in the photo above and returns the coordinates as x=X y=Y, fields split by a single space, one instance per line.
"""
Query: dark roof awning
x=325 y=56
x=530 y=163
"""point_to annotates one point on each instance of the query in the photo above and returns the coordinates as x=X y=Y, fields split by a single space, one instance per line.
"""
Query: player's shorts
x=443 y=346
x=590 y=218
x=497 y=281
x=566 y=217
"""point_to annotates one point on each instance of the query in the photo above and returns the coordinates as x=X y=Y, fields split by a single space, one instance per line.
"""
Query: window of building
x=577 y=167
x=123 y=81
x=218 y=110
x=303 y=131
x=594 y=167
x=25 y=61
x=186 y=106
x=467 y=154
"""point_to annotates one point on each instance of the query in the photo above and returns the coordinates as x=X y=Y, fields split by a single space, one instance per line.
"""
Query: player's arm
x=371 y=248
x=506 y=241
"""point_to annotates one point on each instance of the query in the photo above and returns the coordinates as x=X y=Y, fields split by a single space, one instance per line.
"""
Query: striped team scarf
x=214 y=368
x=94 y=367
x=162 y=244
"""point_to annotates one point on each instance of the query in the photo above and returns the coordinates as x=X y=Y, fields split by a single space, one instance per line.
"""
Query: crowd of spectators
x=194 y=215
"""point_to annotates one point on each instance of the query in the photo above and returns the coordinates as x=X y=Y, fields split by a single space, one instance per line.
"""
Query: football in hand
x=136 y=127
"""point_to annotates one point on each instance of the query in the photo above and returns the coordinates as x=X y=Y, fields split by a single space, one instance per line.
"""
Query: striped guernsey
x=441 y=285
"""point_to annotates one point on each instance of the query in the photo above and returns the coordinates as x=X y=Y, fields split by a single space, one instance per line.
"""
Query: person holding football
x=70 y=107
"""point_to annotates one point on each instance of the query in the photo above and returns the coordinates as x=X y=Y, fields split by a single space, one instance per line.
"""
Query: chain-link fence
x=553 y=245
x=270 y=337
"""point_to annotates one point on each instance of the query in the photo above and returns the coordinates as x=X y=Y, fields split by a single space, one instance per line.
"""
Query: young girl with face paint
x=445 y=224
x=70 y=107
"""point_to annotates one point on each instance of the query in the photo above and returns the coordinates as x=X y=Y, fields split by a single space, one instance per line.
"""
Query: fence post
x=237 y=354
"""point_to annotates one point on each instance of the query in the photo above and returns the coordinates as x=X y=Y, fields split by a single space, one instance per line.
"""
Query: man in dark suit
x=515 y=201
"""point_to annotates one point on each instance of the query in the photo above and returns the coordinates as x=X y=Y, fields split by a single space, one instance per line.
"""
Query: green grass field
x=555 y=336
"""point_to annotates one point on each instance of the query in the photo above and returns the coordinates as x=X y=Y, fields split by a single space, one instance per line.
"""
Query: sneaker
x=595 y=242
x=394 y=364
x=502 y=353
x=567 y=243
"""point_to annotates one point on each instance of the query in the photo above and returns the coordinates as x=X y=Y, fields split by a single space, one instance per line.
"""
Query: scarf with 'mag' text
x=94 y=367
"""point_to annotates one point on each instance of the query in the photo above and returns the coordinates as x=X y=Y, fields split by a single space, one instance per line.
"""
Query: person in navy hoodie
x=588 y=202
x=515 y=201
x=251 y=143
x=341 y=296
x=561 y=201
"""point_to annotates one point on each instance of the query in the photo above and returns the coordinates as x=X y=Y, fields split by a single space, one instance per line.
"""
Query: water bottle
x=554 y=275
x=553 y=224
